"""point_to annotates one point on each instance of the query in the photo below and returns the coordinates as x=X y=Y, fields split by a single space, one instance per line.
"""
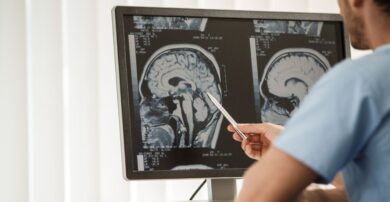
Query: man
x=343 y=124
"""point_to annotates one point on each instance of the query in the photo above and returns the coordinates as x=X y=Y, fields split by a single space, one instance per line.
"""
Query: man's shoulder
x=373 y=64
x=362 y=79
x=371 y=70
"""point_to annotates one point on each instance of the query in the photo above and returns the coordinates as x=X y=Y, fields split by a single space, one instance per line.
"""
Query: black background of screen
x=236 y=70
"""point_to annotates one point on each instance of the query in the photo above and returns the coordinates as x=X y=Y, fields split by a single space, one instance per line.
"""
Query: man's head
x=358 y=14
x=384 y=5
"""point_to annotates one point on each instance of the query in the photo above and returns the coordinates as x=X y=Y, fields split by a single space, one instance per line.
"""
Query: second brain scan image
x=286 y=80
x=259 y=70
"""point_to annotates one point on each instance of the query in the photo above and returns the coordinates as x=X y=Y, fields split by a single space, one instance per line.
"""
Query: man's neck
x=378 y=27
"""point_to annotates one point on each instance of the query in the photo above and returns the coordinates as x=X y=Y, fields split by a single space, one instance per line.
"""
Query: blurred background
x=59 y=128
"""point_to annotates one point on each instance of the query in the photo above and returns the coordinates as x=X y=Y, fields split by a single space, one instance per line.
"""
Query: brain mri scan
x=287 y=77
x=170 y=23
x=175 y=109
x=271 y=26
x=310 y=28
x=305 y=27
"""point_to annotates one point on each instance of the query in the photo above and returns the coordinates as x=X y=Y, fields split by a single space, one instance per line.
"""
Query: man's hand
x=259 y=139
x=316 y=193
x=275 y=177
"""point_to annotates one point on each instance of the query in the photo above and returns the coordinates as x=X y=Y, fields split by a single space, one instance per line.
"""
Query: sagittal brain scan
x=175 y=111
x=170 y=23
x=309 y=28
x=287 y=78
x=259 y=69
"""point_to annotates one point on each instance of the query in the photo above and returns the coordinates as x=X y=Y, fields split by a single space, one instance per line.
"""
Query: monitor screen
x=258 y=65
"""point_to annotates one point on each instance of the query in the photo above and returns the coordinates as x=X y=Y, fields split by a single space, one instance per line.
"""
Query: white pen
x=227 y=116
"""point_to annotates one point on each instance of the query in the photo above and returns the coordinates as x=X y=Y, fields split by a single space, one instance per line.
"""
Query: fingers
x=230 y=128
x=258 y=128
x=251 y=152
x=253 y=149
x=237 y=137
x=251 y=137
x=259 y=138
x=256 y=146
x=243 y=144
x=268 y=129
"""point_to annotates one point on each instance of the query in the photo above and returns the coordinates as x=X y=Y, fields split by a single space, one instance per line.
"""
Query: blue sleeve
x=333 y=123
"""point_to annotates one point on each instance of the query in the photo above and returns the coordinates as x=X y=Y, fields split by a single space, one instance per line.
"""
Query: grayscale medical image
x=175 y=109
x=310 y=28
x=287 y=78
x=169 y=23
x=270 y=26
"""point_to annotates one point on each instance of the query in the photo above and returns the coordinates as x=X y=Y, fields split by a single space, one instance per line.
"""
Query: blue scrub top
x=344 y=125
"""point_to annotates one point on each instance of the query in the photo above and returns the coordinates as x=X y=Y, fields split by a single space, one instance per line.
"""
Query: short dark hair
x=384 y=5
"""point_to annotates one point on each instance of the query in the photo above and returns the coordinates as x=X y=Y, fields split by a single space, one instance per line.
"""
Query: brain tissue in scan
x=310 y=28
x=170 y=23
x=175 y=110
x=286 y=80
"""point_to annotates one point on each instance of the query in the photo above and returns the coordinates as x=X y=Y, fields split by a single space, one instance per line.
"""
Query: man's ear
x=356 y=4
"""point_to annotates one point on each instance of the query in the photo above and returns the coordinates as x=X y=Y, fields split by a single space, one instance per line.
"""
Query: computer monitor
x=259 y=65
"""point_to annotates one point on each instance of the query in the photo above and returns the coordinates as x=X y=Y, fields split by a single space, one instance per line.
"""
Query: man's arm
x=263 y=134
x=336 y=194
x=275 y=177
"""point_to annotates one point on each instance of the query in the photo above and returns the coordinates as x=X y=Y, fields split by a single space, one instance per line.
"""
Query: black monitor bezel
x=118 y=14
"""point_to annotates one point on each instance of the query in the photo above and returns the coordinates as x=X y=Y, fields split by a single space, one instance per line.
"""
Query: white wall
x=13 y=102
x=45 y=101
x=112 y=187
x=59 y=129
x=80 y=48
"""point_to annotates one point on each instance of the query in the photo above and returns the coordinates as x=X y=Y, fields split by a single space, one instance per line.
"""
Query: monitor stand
x=220 y=190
